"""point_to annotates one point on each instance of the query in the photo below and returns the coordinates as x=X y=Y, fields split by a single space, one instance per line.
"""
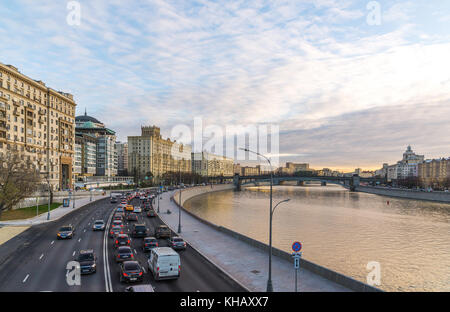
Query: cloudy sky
x=346 y=93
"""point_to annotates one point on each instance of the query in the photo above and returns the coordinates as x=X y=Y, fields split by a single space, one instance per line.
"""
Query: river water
x=344 y=231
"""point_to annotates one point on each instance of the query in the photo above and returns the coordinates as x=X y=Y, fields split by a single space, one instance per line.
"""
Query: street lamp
x=74 y=196
x=269 y=280
x=179 y=202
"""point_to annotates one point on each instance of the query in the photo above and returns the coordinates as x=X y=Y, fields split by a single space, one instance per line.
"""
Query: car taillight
x=179 y=268
x=156 y=244
x=140 y=273
x=117 y=241
x=132 y=256
x=125 y=274
x=118 y=256
x=128 y=241
x=157 y=269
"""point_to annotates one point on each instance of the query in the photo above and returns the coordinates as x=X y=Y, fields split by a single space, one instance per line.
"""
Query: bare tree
x=19 y=178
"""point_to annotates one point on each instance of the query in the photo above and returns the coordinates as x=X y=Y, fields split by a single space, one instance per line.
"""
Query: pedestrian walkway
x=245 y=263
x=55 y=214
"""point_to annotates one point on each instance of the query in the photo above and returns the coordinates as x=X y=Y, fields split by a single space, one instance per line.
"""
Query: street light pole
x=179 y=202
x=269 y=279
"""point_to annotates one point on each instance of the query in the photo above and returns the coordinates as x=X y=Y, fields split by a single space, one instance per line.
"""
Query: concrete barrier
x=443 y=197
x=324 y=272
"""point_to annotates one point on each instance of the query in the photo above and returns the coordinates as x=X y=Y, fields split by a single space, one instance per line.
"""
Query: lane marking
x=42 y=256
x=52 y=242
x=107 y=272
x=79 y=240
x=26 y=277
x=135 y=251
x=84 y=230
x=73 y=254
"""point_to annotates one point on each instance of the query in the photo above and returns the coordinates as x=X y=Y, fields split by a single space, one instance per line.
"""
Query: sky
x=348 y=87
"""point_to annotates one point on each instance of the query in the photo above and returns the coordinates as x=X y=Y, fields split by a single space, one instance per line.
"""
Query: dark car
x=139 y=230
x=118 y=216
x=99 y=225
x=116 y=229
x=177 y=243
x=114 y=200
x=88 y=261
x=122 y=240
x=132 y=217
x=117 y=222
x=149 y=243
x=124 y=253
x=66 y=232
x=162 y=231
x=151 y=213
x=131 y=271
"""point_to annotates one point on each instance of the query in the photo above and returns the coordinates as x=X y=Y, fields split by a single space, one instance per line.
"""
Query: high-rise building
x=150 y=154
x=434 y=172
x=122 y=158
x=408 y=166
x=38 y=121
x=105 y=143
x=207 y=164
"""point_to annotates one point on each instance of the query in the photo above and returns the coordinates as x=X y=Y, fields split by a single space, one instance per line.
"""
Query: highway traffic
x=38 y=260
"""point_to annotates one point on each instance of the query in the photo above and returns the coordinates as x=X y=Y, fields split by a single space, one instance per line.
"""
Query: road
x=37 y=260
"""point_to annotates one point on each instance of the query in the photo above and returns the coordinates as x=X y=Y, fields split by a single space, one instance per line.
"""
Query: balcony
x=3 y=126
x=16 y=112
x=16 y=103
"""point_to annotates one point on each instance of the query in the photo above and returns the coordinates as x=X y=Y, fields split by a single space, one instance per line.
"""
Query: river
x=344 y=231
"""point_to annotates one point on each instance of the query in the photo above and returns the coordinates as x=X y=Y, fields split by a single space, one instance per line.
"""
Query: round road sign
x=297 y=246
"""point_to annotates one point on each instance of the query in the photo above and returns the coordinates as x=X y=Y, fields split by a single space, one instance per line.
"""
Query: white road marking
x=84 y=230
x=52 y=242
x=79 y=240
x=135 y=251
x=42 y=256
x=73 y=254
x=26 y=277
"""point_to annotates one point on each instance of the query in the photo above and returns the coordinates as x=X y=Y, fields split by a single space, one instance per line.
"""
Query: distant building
x=85 y=164
x=207 y=164
x=88 y=127
x=250 y=171
x=292 y=168
x=122 y=158
x=433 y=172
x=150 y=153
x=408 y=166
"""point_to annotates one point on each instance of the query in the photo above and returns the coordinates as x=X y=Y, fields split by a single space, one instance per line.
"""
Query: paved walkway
x=55 y=214
x=245 y=263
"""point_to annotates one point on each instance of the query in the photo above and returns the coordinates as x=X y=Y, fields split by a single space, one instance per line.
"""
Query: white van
x=164 y=263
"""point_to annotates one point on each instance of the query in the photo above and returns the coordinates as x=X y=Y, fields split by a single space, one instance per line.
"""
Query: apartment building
x=150 y=153
x=433 y=172
x=40 y=122
x=210 y=165
x=122 y=158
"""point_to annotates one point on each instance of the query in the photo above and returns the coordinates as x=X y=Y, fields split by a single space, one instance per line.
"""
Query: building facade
x=122 y=158
x=40 y=122
x=408 y=166
x=98 y=139
x=210 y=165
x=150 y=154
x=435 y=172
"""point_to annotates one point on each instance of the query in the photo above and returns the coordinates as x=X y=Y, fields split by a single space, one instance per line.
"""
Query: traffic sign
x=297 y=246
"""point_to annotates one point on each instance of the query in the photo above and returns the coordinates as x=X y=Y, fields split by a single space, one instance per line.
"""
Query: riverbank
x=441 y=197
x=252 y=255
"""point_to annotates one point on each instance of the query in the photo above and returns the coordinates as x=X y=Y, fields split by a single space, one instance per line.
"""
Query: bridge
x=351 y=182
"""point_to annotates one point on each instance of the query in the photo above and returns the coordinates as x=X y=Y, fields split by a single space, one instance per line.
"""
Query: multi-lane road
x=36 y=261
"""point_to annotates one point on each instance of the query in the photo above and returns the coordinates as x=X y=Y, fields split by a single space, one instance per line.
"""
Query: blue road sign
x=297 y=246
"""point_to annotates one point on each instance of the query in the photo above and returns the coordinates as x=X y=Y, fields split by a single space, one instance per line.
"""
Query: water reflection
x=344 y=231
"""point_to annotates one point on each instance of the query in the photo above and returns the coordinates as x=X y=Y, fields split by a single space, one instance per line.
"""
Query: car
x=120 y=209
x=88 y=261
x=131 y=271
x=117 y=222
x=140 y=288
x=113 y=200
x=115 y=229
x=177 y=243
x=162 y=231
x=99 y=225
x=66 y=232
x=137 y=209
x=124 y=253
x=129 y=208
x=132 y=217
x=149 y=243
x=122 y=240
x=151 y=213
x=139 y=230
x=164 y=263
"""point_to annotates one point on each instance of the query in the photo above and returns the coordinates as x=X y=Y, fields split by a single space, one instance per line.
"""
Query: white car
x=137 y=210
x=164 y=263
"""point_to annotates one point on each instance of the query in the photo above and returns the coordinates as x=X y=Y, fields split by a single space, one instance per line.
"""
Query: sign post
x=296 y=247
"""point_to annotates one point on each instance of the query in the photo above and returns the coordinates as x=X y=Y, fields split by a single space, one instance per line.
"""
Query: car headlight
x=59 y=234
x=94 y=265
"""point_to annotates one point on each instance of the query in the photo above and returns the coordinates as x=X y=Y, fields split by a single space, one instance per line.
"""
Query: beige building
x=149 y=152
x=210 y=165
x=292 y=168
x=38 y=121
x=434 y=172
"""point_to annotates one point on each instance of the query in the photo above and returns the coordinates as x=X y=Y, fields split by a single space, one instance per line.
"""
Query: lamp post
x=73 y=197
x=179 y=202
x=269 y=280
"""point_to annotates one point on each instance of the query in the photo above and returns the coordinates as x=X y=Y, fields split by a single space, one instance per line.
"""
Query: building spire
x=85 y=111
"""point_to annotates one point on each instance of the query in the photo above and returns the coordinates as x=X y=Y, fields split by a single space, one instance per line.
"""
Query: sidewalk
x=55 y=214
x=245 y=263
